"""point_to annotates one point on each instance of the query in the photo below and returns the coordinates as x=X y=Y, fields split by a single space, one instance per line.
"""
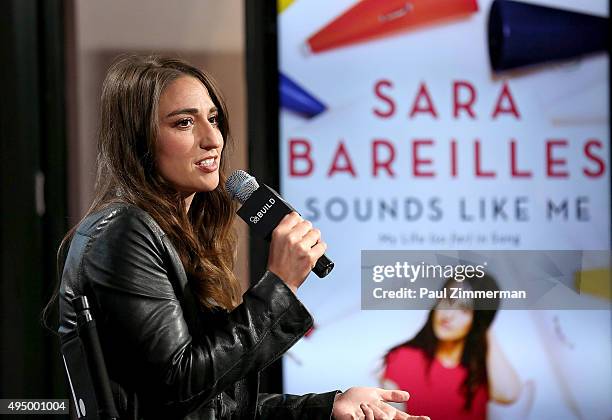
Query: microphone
x=263 y=208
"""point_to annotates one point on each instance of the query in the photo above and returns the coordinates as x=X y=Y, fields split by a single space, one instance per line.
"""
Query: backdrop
x=406 y=125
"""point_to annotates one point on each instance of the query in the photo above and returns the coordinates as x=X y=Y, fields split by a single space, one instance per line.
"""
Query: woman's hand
x=295 y=248
x=370 y=404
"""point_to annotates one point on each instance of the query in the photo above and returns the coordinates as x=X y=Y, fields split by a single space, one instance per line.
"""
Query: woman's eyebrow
x=183 y=111
x=192 y=111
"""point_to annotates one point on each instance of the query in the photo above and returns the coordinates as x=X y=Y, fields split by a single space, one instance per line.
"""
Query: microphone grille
x=240 y=185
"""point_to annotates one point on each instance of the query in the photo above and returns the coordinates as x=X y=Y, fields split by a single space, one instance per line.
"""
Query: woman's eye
x=184 y=123
x=213 y=120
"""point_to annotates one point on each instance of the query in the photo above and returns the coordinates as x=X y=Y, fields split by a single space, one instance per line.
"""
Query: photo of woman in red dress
x=453 y=366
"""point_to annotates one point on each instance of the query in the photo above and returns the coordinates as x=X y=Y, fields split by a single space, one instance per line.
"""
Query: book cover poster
x=449 y=125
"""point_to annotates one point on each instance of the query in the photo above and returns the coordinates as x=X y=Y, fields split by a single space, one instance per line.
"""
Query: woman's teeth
x=206 y=162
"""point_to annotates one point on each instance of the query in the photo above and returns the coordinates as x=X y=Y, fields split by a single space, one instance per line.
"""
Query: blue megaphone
x=295 y=98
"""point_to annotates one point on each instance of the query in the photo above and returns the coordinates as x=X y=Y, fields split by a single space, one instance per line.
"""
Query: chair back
x=85 y=368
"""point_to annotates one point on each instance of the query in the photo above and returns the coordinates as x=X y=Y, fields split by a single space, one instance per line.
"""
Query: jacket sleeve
x=295 y=407
x=126 y=269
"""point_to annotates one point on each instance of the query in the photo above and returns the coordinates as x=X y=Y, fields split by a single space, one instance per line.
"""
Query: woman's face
x=452 y=322
x=189 y=144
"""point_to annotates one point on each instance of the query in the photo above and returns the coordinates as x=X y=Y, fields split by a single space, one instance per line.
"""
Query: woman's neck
x=449 y=352
x=187 y=200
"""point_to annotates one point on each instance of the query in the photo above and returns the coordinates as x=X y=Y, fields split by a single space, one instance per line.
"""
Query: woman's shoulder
x=120 y=234
x=405 y=359
x=405 y=355
x=120 y=218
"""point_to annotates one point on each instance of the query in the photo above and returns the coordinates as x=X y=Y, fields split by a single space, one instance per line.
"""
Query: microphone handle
x=264 y=210
x=323 y=267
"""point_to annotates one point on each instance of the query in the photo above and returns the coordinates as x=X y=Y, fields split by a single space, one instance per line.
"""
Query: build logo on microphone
x=264 y=209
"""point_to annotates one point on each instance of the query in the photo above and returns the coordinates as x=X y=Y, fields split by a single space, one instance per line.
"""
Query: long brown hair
x=126 y=172
x=474 y=356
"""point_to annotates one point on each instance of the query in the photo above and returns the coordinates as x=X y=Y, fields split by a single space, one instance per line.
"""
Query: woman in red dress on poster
x=453 y=366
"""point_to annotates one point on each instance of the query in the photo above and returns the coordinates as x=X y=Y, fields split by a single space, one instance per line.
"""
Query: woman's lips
x=444 y=324
x=207 y=165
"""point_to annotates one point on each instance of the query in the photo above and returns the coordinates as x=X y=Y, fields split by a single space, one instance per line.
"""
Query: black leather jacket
x=167 y=358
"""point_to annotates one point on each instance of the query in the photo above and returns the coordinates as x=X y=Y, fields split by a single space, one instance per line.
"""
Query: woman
x=453 y=365
x=154 y=254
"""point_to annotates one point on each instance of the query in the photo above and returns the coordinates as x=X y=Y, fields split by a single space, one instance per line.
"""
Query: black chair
x=84 y=362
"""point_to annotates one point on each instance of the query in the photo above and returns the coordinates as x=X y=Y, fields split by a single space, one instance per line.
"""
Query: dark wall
x=33 y=195
x=263 y=130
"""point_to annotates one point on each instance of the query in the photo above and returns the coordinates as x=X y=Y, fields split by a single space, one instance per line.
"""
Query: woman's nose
x=446 y=314
x=210 y=138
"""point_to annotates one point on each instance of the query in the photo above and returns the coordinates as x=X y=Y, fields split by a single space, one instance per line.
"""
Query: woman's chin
x=209 y=183
x=211 y=186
